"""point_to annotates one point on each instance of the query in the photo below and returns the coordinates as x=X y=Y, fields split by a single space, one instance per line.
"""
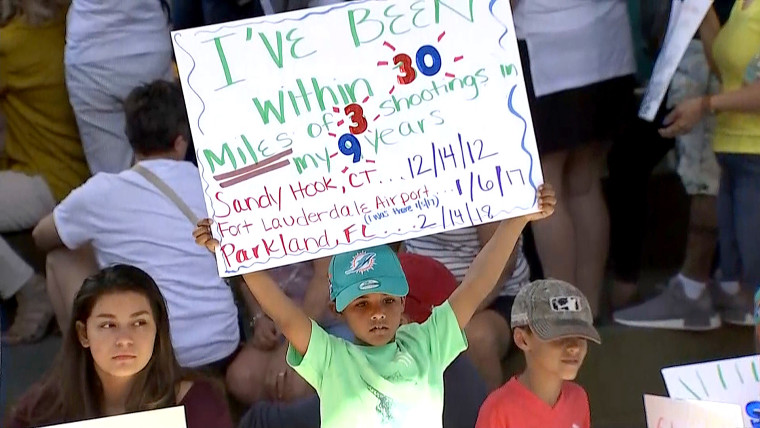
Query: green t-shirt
x=396 y=385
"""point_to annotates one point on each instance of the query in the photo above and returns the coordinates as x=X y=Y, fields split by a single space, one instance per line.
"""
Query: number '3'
x=404 y=62
x=356 y=113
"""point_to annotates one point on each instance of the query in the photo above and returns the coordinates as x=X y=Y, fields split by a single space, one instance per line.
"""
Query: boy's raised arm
x=484 y=272
x=289 y=318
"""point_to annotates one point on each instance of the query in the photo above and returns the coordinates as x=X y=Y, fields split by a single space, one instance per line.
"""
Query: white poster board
x=347 y=126
x=664 y=412
x=172 y=417
x=685 y=19
x=734 y=381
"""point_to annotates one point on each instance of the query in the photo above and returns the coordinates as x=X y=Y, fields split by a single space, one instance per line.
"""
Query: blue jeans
x=739 y=218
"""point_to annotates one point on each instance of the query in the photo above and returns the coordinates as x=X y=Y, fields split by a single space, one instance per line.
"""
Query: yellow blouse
x=735 y=46
x=41 y=132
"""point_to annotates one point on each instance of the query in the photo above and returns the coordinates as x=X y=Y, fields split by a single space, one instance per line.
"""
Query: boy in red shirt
x=551 y=323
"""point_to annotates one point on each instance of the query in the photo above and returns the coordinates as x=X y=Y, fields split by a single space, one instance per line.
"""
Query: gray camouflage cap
x=554 y=309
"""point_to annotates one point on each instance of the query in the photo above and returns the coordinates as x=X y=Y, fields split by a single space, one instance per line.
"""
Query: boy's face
x=374 y=318
x=562 y=357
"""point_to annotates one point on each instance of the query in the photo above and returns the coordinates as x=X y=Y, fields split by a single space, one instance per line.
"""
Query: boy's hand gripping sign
x=347 y=126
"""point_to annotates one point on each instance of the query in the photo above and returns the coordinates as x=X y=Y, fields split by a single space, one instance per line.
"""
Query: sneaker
x=673 y=310
x=737 y=309
x=34 y=314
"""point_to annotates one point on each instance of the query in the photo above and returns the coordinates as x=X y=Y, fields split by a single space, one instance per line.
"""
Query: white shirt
x=456 y=249
x=575 y=43
x=128 y=220
x=97 y=30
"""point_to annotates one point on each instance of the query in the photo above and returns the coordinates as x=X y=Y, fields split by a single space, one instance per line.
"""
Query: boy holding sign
x=392 y=375
x=552 y=323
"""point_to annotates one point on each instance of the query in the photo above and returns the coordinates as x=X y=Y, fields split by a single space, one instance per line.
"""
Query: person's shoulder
x=323 y=347
x=176 y=168
x=510 y=388
x=183 y=388
x=414 y=328
x=182 y=176
x=97 y=184
x=502 y=400
x=107 y=177
x=19 y=415
x=573 y=391
x=181 y=166
x=25 y=412
x=441 y=317
x=573 y=387
x=197 y=390
x=411 y=336
x=444 y=310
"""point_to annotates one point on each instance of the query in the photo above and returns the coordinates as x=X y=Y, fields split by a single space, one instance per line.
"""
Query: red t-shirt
x=515 y=406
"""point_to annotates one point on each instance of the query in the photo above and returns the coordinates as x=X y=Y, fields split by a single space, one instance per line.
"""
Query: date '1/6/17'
x=514 y=177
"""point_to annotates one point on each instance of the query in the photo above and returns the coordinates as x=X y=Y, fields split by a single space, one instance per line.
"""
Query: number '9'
x=349 y=145
x=753 y=411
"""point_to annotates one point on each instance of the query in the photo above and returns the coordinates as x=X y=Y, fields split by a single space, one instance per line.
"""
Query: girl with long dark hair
x=117 y=358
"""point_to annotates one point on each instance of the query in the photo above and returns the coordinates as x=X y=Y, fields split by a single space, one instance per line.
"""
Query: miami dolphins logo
x=361 y=263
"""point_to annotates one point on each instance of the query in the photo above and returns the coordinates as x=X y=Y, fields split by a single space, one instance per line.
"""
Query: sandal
x=34 y=314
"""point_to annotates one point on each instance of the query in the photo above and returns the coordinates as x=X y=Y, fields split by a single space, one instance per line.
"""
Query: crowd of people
x=97 y=163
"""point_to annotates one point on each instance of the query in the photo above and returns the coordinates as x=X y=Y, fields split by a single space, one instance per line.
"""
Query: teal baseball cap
x=371 y=270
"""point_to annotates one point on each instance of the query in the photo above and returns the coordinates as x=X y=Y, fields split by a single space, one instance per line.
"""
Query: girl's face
x=120 y=333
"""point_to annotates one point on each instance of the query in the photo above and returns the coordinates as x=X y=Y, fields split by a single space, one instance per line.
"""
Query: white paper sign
x=734 y=381
x=685 y=18
x=347 y=126
x=664 y=412
x=172 y=417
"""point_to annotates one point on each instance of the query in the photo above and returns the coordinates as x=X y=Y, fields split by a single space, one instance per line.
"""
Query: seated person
x=463 y=392
x=125 y=218
x=254 y=374
x=552 y=323
x=42 y=160
x=117 y=358
x=488 y=332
